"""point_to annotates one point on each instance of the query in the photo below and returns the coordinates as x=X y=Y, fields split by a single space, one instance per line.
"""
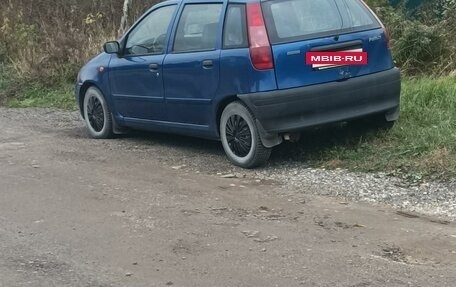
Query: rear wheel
x=97 y=115
x=240 y=138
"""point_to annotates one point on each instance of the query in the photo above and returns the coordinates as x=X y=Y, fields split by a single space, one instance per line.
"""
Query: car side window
x=197 y=29
x=149 y=36
x=235 y=29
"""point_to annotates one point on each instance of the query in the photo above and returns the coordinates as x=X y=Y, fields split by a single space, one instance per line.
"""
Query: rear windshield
x=293 y=20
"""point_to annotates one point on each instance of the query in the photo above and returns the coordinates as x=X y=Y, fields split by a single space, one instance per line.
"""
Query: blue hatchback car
x=236 y=71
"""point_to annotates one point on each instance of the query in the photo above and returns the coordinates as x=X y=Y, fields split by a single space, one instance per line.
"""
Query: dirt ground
x=126 y=212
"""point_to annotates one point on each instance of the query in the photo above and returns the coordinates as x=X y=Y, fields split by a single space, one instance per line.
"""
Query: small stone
x=267 y=239
x=177 y=167
x=128 y=274
x=229 y=176
x=169 y=283
x=263 y=208
x=135 y=263
x=251 y=234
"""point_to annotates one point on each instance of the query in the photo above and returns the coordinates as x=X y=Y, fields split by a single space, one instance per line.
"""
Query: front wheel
x=240 y=137
x=97 y=115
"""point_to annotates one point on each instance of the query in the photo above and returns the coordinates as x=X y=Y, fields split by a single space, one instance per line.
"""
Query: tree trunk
x=124 y=20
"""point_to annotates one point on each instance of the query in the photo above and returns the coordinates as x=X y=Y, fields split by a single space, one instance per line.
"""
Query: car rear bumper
x=295 y=109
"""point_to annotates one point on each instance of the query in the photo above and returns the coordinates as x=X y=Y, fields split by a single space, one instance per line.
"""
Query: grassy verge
x=6 y=84
x=36 y=95
x=15 y=93
x=422 y=144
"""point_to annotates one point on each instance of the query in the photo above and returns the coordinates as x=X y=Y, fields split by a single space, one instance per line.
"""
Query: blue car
x=238 y=71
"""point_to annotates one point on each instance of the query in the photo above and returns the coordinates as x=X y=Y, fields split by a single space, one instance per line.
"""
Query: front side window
x=197 y=29
x=149 y=36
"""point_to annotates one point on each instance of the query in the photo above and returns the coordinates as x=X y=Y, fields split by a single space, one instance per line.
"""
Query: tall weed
x=46 y=40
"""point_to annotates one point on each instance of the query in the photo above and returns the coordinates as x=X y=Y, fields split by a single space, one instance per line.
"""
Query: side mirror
x=112 y=47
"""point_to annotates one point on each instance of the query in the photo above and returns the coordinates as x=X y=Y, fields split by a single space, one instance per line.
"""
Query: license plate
x=328 y=59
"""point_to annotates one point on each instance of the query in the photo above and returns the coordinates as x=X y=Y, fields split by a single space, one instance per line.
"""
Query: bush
x=45 y=39
x=422 y=43
x=419 y=48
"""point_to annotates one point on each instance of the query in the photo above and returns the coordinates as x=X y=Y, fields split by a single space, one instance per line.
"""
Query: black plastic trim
x=298 y=108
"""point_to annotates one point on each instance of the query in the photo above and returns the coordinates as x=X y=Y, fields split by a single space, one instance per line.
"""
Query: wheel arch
x=268 y=139
x=82 y=93
x=221 y=106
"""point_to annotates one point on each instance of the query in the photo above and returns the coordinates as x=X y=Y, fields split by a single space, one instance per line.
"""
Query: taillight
x=260 y=48
x=387 y=37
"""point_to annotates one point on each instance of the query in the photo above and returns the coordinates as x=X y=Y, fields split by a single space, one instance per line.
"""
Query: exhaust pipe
x=292 y=137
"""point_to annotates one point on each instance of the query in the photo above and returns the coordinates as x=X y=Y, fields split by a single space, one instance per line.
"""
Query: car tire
x=240 y=137
x=97 y=115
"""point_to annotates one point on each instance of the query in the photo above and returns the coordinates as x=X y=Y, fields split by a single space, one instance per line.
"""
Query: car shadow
x=196 y=145
x=312 y=147
x=315 y=143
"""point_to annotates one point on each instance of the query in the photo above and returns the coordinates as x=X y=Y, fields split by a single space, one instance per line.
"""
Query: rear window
x=293 y=20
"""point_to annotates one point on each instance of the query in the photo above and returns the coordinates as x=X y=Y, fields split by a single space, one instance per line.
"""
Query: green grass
x=60 y=96
x=5 y=84
x=17 y=93
x=422 y=143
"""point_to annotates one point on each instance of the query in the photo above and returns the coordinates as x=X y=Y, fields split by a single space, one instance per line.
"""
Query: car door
x=136 y=78
x=192 y=66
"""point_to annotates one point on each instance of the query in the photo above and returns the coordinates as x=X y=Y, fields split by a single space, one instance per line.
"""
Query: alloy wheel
x=239 y=136
x=95 y=114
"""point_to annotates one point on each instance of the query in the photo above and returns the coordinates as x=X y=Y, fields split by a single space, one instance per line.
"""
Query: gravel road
x=158 y=210
x=201 y=156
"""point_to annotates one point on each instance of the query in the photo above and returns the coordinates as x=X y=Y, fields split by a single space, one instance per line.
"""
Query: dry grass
x=48 y=40
x=437 y=160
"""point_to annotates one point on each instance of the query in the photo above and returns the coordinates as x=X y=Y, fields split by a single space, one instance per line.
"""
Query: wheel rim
x=238 y=136
x=95 y=114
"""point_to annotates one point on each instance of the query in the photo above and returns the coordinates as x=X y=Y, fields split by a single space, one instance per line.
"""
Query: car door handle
x=207 y=64
x=153 y=67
